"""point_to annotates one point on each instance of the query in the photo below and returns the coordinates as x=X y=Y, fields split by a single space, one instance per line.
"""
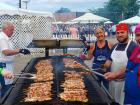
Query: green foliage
x=117 y=10
x=63 y=10
x=122 y=9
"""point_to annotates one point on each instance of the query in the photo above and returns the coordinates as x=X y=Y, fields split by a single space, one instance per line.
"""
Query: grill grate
x=96 y=94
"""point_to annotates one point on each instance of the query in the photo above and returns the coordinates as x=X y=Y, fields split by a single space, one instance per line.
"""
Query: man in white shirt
x=7 y=53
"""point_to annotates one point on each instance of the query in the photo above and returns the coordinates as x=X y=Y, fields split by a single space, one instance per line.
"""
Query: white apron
x=119 y=60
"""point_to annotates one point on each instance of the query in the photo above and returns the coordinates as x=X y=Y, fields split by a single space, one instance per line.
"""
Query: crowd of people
x=113 y=61
x=79 y=29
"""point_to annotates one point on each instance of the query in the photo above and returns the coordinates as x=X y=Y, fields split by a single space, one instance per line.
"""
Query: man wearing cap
x=118 y=61
x=137 y=34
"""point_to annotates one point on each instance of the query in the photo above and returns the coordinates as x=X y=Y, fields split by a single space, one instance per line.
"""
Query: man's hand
x=102 y=66
x=7 y=74
x=83 y=38
x=110 y=76
x=24 y=51
x=115 y=75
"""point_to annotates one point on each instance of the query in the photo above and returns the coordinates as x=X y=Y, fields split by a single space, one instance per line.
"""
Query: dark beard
x=123 y=41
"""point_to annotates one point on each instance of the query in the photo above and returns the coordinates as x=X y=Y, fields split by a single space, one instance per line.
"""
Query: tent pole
x=89 y=30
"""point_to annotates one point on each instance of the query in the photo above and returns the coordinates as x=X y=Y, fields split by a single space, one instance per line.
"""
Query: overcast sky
x=54 y=5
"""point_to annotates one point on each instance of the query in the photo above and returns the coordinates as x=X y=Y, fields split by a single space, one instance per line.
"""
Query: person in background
x=137 y=34
x=113 y=30
x=7 y=53
x=73 y=32
x=120 y=53
x=100 y=50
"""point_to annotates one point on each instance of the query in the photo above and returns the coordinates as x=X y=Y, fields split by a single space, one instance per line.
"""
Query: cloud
x=67 y=1
x=53 y=5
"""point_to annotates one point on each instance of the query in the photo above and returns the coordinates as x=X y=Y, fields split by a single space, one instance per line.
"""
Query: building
x=67 y=16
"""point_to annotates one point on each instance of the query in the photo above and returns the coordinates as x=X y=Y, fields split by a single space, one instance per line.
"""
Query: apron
x=119 y=60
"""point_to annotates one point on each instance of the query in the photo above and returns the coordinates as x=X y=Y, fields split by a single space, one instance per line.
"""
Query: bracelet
x=1 y=70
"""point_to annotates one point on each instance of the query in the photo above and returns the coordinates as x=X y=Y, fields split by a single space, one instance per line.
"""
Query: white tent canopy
x=132 y=20
x=58 y=22
x=70 y=22
x=108 y=22
x=10 y=10
x=90 y=18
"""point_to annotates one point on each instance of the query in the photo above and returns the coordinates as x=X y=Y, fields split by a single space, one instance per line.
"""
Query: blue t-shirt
x=100 y=55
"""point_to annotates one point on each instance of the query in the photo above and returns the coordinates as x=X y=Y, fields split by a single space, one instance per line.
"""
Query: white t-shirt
x=5 y=43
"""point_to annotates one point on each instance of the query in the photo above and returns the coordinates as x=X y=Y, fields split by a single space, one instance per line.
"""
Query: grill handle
x=110 y=96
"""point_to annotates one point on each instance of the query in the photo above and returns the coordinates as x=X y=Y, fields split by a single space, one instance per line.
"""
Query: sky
x=54 y=5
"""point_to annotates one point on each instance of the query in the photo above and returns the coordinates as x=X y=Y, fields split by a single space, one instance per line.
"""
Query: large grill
x=96 y=94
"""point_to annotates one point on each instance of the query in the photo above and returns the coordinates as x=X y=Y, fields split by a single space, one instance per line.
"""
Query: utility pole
x=19 y=3
x=26 y=3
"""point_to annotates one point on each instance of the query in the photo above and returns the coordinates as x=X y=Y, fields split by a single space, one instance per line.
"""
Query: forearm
x=107 y=64
x=120 y=73
x=10 y=52
x=115 y=75
x=89 y=57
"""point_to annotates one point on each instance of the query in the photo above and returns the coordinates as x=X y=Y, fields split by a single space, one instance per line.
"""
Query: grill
x=57 y=43
x=96 y=94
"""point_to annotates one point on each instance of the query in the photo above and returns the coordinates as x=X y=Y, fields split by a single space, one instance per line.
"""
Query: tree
x=122 y=9
x=117 y=10
x=63 y=10
x=101 y=12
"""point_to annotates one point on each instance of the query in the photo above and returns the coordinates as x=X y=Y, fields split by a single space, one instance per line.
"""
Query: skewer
x=25 y=76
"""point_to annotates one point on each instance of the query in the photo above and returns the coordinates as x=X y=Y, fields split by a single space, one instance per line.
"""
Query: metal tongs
x=95 y=72
x=25 y=76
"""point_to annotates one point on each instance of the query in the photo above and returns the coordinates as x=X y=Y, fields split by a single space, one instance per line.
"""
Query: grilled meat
x=74 y=87
x=71 y=63
x=38 y=92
